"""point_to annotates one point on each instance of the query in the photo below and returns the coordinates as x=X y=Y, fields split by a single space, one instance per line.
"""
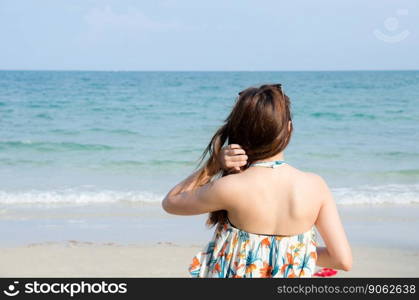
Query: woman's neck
x=279 y=156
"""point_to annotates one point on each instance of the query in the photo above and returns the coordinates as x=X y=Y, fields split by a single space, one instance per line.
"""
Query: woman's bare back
x=281 y=201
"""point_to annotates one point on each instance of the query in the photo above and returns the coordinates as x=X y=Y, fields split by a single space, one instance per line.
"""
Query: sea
x=78 y=148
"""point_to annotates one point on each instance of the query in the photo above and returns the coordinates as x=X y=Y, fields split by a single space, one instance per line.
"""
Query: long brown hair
x=259 y=123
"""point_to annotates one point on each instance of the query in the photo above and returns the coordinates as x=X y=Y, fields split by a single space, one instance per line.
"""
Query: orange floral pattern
x=239 y=254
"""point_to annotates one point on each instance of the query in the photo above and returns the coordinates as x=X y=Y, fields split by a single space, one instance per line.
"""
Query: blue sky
x=209 y=35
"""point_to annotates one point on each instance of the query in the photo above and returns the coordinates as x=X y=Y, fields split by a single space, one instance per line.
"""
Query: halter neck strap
x=269 y=164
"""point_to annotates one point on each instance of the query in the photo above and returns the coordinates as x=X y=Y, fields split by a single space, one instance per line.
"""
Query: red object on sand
x=325 y=272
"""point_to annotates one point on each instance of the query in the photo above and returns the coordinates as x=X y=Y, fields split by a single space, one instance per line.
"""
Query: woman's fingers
x=233 y=146
x=237 y=158
x=232 y=152
x=234 y=149
x=236 y=164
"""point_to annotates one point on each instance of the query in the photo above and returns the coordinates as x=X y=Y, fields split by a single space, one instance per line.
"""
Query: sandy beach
x=75 y=259
x=383 y=238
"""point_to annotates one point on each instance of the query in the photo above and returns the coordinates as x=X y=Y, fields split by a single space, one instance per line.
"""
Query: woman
x=264 y=209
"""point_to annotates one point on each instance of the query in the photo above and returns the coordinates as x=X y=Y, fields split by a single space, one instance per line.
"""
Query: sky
x=211 y=35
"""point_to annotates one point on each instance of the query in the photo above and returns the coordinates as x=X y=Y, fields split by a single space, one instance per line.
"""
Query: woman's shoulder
x=235 y=184
x=228 y=183
x=309 y=181
x=227 y=189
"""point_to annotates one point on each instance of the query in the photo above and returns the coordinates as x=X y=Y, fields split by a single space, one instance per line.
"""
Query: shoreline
x=385 y=226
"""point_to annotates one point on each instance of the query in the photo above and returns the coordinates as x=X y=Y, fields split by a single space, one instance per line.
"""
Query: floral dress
x=235 y=253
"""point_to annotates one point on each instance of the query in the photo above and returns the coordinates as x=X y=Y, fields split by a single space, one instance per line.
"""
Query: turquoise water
x=103 y=137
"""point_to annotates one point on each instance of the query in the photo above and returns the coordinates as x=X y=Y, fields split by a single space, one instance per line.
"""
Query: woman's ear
x=289 y=126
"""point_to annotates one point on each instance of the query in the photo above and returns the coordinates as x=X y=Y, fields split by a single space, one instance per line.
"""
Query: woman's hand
x=232 y=157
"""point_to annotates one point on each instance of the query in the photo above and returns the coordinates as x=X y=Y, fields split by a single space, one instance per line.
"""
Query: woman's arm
x=184 y=199
x=337 y=253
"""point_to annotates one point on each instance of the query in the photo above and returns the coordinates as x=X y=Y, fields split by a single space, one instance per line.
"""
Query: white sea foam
x=383 y=194
x=71 y=196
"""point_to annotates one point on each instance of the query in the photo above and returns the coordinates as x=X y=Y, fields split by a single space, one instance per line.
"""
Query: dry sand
x=74 y=259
